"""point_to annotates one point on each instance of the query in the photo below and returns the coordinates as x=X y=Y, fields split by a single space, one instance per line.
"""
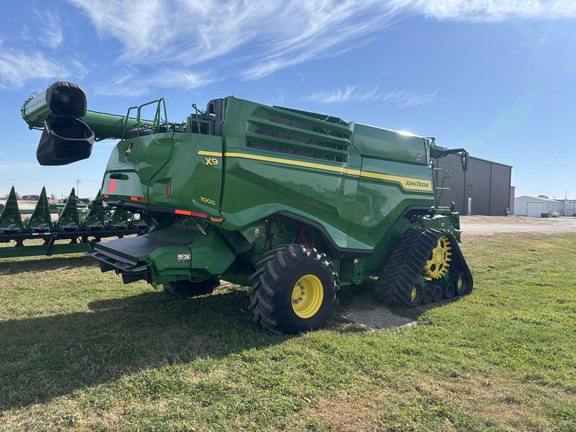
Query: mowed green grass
x=81 y=351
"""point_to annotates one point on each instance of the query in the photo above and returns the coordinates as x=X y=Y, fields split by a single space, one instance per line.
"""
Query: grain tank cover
x=379 y=143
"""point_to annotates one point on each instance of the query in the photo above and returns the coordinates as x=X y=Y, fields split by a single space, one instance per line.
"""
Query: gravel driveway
x=490 y=225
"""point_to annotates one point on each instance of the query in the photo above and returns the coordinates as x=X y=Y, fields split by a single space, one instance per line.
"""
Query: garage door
x=534 y=209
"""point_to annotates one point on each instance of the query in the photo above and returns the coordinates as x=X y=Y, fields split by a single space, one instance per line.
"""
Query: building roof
x=538 y=198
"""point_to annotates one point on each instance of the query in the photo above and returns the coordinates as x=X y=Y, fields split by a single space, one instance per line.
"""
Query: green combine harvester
x=293 y=203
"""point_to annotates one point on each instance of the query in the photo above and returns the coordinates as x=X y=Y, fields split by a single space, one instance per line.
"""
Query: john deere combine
x=294 y=203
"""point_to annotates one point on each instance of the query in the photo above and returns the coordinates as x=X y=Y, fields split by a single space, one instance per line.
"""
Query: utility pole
x=78 y=181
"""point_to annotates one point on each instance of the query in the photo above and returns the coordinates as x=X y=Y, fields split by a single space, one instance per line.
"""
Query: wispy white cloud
x=190 y=43
x=408 y=98
x=256 y=37
x=322 y=29
x=349 y=94
x=252 y=39
x=183 y=32
x=129 y=83
x=45 y=29
x=50 y=29
x=180 y=78
x=399 y=97
x=489 y=10
x=16 y=67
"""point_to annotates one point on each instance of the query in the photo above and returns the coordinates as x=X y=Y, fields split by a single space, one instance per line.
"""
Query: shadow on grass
x=43 y=358
x=14 y=266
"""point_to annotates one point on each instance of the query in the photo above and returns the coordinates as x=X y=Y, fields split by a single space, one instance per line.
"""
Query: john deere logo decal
x=128 y=149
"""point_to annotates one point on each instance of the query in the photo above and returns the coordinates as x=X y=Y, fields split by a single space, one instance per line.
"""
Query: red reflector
x=140 y=199
x=105 y=196
x=183 y=212
x=191 y=213
x=112 y=186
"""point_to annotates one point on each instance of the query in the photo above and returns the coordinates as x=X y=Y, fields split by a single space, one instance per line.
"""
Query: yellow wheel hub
x=459 y=283
x=307 y=296
x=437 y=266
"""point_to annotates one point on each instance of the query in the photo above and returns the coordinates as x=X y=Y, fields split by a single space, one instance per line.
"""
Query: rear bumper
x=166 y=255
x=123 y=256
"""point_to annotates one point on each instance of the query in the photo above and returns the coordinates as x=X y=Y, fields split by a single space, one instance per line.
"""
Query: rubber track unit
x=406 y=262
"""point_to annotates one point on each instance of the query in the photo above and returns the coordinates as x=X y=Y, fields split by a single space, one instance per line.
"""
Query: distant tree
x=53 y=197
x=544 y=196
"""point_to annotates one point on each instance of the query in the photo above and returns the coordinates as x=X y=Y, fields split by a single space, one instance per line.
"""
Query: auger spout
x=69 y=129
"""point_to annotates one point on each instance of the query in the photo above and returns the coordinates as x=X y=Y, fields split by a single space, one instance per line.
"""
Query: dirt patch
x=377 y=317
x=493 y=399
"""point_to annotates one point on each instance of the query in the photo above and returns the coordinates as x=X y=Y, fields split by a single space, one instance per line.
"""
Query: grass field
x=81 y=351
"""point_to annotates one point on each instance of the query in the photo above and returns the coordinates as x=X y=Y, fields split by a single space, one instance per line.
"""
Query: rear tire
x=293 y=290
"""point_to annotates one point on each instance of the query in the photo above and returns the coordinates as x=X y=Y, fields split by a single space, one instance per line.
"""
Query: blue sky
x=496 y=77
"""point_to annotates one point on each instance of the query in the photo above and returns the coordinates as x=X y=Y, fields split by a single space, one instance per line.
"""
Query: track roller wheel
x=191 y=288
x=416 y=295
x=427 y=295
x=293 y=290
x=436 y=293
x=458 y=279
x=448 y=291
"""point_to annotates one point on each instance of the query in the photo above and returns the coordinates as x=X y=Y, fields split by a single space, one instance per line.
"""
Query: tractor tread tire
x=272 y=284
x=406 y=262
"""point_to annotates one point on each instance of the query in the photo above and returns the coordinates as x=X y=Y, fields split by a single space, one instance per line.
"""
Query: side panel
x=133 y=163
x=287 y=167
x=168 y=170
x=192 y=179
x=385 y=190
x=356 y=199
x=374 y=142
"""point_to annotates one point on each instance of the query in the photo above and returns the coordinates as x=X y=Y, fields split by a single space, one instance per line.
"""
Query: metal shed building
x=536 y=206
x=485 y=189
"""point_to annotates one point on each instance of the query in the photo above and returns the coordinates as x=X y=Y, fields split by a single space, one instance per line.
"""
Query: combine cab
x=295 y=204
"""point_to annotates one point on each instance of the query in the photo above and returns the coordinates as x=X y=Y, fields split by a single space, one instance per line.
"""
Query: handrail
x=155 y=125
x=437 y=196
